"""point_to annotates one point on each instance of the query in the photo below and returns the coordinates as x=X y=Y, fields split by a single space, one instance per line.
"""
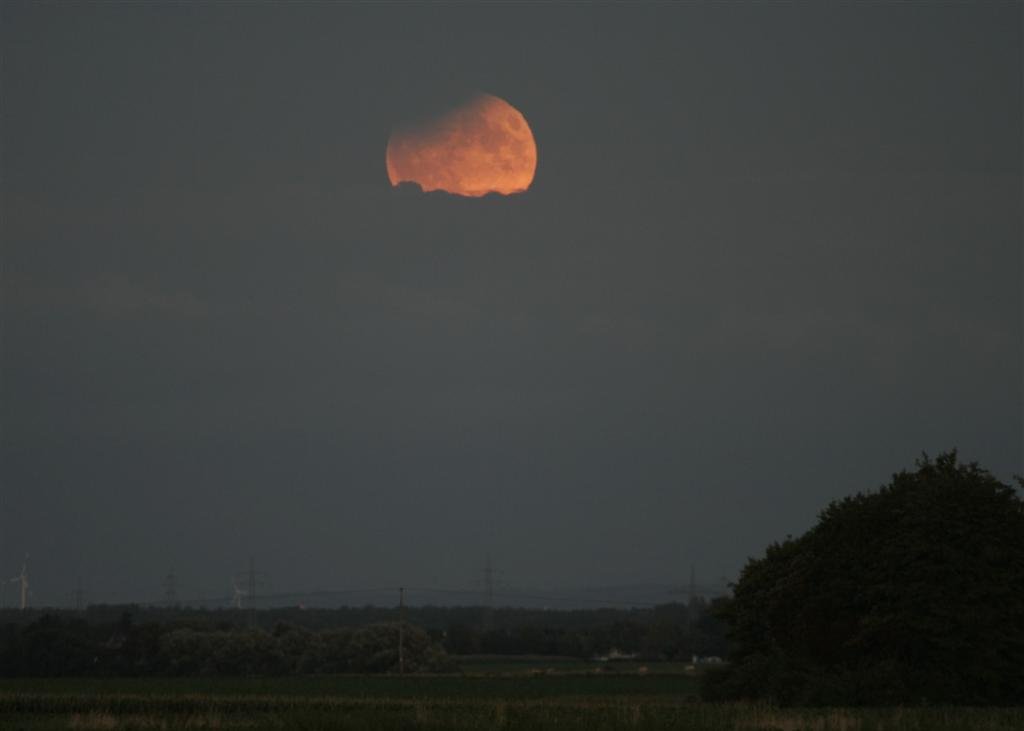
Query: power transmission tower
x=695 y=591
x=488 y=593
x=251 y=579
x=78 y=596
x=170 y=589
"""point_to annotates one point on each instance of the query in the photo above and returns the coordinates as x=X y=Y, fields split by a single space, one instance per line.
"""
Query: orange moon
x=481 y=146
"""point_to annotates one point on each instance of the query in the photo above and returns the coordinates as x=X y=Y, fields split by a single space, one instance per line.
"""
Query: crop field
x=531 y=698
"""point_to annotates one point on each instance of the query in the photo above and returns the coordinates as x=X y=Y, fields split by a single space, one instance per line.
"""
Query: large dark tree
x=911 y=594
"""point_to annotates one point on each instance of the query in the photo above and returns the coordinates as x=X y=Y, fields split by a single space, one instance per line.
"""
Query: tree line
x=60 y=646
x=291 y=641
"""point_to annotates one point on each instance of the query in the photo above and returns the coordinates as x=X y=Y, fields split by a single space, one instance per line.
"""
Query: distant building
x=708 y=660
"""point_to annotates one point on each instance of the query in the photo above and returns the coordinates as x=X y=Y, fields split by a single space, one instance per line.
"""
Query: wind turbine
x=237 y=599
x=22 y=579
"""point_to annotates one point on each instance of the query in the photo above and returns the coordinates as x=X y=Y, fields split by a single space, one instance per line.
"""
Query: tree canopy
x=55 y=646
x=913 y=593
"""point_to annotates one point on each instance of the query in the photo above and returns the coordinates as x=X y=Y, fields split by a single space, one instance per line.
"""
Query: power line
x=401 y=631
x=486 y=598
x=538 y=597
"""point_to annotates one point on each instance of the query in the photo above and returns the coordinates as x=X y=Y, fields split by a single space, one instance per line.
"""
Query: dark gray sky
x=771 y=254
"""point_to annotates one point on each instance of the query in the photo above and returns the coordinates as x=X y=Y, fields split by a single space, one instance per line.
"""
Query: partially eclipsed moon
x=482 y=146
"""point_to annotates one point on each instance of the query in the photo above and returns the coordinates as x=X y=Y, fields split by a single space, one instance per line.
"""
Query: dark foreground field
x=563 y=697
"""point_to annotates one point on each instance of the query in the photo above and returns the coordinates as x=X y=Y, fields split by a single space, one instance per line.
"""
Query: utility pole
x=401 y=631
x=693 y=612
x=488 y=592
x=252 y=581
x=252 y=591
x=170 y=590
x=691 y=607
x=489 y=581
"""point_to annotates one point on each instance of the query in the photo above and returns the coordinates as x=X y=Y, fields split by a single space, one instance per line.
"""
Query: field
x=488 y=695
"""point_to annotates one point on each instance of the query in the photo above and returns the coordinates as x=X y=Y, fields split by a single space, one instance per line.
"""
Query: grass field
x=491 y=695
